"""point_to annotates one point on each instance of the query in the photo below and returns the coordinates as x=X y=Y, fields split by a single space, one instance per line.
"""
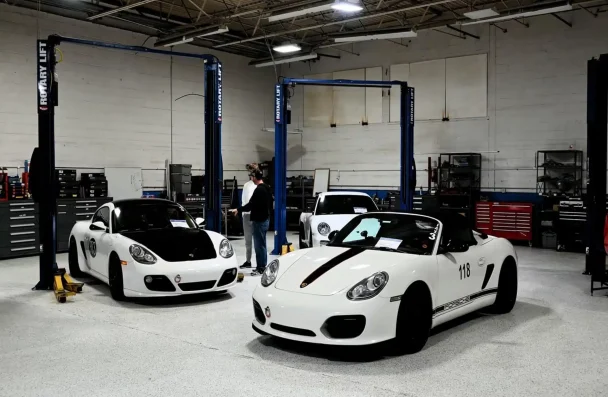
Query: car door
x=459 y=272
x=98 y=243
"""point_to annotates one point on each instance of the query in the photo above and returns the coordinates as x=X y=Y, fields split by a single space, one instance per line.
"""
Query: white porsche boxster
x=386 y=277
x=151 y=248
x=331 y=211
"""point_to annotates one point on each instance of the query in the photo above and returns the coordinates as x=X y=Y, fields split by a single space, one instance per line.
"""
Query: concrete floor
x=554 y=343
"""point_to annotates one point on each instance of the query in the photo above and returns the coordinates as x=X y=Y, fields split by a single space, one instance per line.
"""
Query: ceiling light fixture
x=279 y=61
x=379 y=36
x=299 y=13
x=543 y=11
x=182 y=40
x=220 y=30
x=287 y=48
x=347 y=5
x=478 y=14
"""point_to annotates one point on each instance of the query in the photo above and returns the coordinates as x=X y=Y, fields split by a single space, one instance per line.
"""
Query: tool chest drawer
x=512 y=221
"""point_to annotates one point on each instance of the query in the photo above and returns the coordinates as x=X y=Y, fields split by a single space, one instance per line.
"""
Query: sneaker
x=246 y=265
x=256 y=272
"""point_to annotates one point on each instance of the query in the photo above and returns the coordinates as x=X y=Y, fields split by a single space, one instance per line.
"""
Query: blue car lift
x=48 y=99
x=408 y=170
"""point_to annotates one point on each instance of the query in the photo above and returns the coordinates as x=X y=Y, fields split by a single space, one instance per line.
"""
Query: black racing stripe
x=484 y=293
x=321 y=270
x=486 y=278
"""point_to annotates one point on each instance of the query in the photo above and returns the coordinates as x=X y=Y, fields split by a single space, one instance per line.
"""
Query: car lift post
x=48 y=95
x=407 y=166
x=597 y=140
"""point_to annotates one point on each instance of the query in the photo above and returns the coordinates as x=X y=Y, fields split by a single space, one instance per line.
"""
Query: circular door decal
x=93 y=247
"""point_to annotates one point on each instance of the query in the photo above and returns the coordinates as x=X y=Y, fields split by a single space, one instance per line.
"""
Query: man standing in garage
x=260 y=206
x=248 y=189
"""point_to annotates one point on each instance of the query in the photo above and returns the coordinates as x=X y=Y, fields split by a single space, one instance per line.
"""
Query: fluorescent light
x=293 y=14
x=379 y=36
x=543 y=11
x=487 y=13
x=220 y=30
x=177 y=41
x=279 y=61
x=287 y=48
x=347 y=5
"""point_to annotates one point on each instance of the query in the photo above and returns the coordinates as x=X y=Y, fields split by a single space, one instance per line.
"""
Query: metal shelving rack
x=559 y=172
x=459 y=183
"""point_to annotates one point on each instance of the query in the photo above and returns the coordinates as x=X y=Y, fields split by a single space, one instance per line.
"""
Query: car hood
x=335 y=222
x=175 y=244
x=329 y=270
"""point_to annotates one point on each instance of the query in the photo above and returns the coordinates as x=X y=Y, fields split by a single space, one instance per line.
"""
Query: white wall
x=536 y=100
x=115 y=106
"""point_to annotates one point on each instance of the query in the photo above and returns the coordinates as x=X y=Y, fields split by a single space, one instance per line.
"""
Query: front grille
x=228 y=277
x=259 y=313
x=160 y=283
x=292 y=330
x=198 y=286
x=344 y=327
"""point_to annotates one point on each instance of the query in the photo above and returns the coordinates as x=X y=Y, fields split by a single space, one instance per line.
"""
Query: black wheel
x=507 y=288
x=301 y=242
x=73 y=259
x=310 y=245
x=62 y=299
x=414 y=319
x=115 y=278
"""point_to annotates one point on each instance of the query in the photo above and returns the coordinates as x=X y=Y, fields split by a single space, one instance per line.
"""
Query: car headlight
x=142 y=255
x=323 y=229
x=226 y=250
x=369 y=287
x=270 y=273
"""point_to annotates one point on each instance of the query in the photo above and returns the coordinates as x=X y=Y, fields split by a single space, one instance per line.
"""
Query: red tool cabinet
x=512 y=221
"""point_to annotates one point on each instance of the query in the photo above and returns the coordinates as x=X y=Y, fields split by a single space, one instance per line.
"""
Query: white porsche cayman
x=331 y=211
x=386 y=276
x=149 y=248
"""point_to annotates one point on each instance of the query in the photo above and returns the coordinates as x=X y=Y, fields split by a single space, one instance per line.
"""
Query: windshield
x=343 y=204
x=413 y=234
x=153 y=215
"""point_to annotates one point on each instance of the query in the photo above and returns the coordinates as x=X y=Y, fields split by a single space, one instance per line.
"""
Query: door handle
x=481 y=262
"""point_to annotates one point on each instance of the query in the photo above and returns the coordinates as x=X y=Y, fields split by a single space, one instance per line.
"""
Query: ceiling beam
x=119 y=9
x=359 y=18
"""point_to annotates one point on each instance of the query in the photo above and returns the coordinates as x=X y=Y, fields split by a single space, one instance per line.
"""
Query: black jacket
x=260 y=203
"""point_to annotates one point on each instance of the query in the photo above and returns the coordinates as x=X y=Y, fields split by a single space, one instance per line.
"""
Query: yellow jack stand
x=287 y=248
x=64 y=286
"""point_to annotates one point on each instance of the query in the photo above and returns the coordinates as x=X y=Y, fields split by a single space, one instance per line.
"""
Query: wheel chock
x=64 y=286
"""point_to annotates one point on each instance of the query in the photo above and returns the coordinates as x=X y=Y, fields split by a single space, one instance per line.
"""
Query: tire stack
x=67 y=186
x=94 y=185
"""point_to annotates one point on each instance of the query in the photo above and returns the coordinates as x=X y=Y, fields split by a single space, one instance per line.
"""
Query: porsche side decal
x=455 y=304
x=321 y=270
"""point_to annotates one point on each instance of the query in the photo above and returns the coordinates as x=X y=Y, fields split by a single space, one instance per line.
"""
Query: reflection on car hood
x=175 y=244
x=329 y=270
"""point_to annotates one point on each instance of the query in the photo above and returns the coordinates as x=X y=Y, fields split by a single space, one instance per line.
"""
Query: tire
x=310 y=245
x=414 y=319
x=507 y=288
x=115 y=279
x=301 y=242
x=73 y=259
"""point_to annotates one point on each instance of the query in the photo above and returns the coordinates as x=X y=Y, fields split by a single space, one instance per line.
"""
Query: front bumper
x=304 y=317
x=195 y=277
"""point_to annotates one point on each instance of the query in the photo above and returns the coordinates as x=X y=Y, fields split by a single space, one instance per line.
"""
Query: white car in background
x=151 y=248
x=386 y=276
x=331 y=211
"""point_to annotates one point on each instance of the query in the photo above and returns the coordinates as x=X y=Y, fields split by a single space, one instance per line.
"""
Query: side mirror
x=332 y=235
x=98 y=226
x=200 y=222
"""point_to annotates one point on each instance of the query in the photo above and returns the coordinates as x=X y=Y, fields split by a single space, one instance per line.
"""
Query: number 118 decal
x=465 y=271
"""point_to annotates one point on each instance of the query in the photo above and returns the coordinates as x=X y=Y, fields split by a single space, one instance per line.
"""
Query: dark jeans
x=259 y=229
